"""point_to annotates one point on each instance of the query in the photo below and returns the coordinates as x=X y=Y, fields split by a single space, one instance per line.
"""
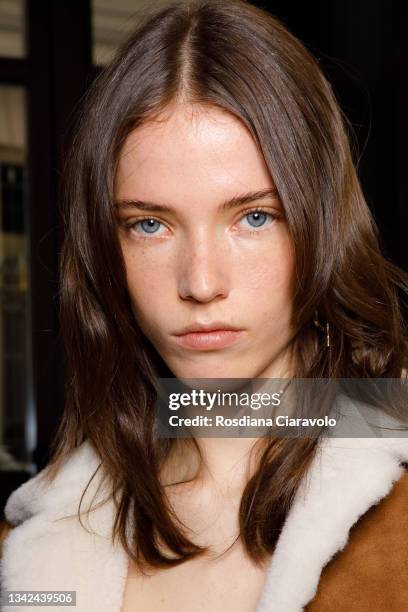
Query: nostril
x=202 y=285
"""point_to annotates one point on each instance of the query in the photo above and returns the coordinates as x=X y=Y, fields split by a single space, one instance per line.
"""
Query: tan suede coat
x=371 y=573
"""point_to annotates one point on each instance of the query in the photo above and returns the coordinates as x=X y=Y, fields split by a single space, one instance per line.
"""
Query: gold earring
x=320 y=326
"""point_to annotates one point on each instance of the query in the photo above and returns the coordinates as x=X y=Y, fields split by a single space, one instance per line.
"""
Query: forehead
x=200 y=152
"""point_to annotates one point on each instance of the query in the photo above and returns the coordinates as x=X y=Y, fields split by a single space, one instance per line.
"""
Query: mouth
x=208 y=339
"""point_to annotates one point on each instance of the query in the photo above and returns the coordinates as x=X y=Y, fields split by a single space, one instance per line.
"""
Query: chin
x=212 y=380
x=206 y=370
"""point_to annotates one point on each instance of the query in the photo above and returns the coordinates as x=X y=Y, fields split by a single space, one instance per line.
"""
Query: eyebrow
x=239 y=200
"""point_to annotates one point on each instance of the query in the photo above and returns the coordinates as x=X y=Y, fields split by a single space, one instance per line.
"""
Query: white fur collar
x=47 y=552
x=347 y=478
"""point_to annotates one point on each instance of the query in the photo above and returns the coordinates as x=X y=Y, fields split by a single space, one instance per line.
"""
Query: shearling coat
x=343 y=547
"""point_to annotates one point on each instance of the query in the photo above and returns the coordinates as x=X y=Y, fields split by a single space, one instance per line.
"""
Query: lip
x=207 y=336
x=210 y=339
x=207 y=327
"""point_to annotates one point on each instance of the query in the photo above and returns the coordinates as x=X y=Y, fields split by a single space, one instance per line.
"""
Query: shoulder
x=368 y=571
x=41 y=496
x=55 y=511
x=57 y=496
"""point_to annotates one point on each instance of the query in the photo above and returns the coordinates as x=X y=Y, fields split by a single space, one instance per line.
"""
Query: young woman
x=210 y=186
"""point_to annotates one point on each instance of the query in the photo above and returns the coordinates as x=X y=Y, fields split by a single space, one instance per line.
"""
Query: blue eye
x=257 y=218
x=148 y=225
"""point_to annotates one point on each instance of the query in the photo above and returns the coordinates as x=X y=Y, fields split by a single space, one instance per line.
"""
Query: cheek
x=146 y=272
x=149 y=285
x=266 y=276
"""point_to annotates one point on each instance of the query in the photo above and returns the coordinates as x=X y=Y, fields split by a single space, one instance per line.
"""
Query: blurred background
x=50 y=51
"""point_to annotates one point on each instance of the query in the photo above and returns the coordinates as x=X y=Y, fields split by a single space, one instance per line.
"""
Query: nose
x=203 y=269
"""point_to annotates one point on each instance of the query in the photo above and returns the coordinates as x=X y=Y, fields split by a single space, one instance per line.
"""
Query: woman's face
x=190 y=260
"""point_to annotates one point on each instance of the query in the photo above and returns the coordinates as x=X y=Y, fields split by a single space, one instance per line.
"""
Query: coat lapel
x=347 y=478
x=49 y=552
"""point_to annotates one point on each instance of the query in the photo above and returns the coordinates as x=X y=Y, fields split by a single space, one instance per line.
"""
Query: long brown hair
x=235 y=56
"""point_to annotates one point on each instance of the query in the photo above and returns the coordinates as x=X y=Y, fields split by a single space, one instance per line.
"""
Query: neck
x=224 y=464
x=227 y=463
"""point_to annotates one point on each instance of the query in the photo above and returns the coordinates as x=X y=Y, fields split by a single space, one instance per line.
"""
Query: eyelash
x=273 y=216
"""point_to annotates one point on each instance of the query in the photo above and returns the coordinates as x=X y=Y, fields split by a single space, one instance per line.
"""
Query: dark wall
x=362 y=46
